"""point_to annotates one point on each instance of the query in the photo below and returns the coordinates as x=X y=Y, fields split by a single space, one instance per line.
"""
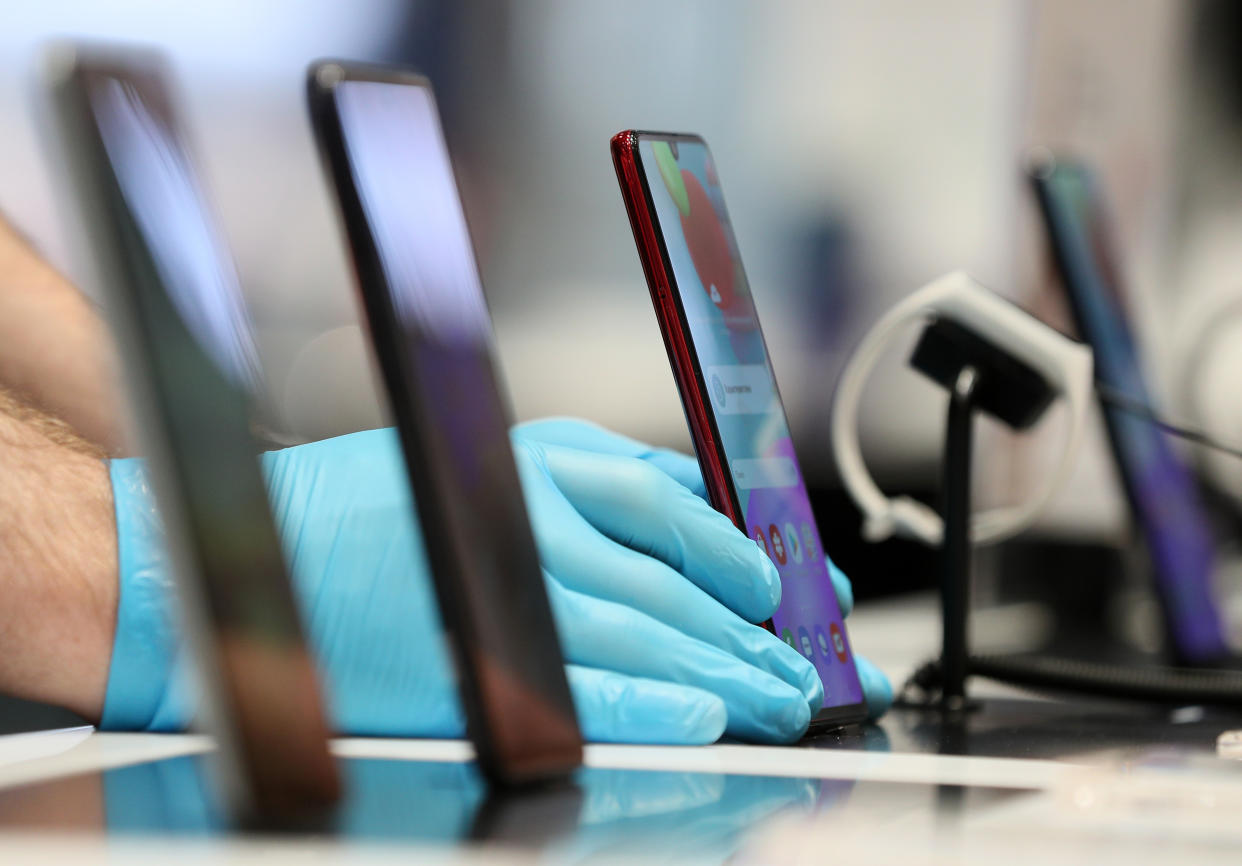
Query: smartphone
x=191 y=366
x=1160 y=487
x=379 y=132
x=703 y=302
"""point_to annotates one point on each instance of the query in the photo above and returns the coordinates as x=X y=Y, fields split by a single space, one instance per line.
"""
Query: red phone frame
x=686 y=370
x=673 y=328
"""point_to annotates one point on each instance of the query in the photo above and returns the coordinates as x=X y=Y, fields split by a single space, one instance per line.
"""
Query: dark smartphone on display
x=720 y=361
x=379 y=132
x=192 y=365
x=1160 y=487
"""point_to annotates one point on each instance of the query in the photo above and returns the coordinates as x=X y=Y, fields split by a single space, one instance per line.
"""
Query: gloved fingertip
x=877 y=690
x=771 y=583
x=792 y=722
x=705 y=720
x=758 y=583
x=616 y=708
x=758 y=596
x=813 y=687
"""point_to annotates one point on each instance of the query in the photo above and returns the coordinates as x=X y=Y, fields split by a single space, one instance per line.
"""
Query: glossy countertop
x=1022 y=779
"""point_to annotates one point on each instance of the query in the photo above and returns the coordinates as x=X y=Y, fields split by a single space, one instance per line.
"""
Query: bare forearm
x=58 y=563
x=55 y=351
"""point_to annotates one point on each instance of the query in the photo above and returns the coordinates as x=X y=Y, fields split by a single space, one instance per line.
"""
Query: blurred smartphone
x=1160 y=487
x=191 y=366
x=379 y=131
x=720 y=361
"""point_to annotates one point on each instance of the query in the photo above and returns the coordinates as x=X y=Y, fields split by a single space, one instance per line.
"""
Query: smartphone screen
x=430 y=327
x=1159 y=486
x=762 y=481
x=192 y=364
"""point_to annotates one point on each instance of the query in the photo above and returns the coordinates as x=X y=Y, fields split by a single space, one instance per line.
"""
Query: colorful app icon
x=825 y=648
x=804 y=641
x=787 y=637
x=808 y=542
x=756 y=532
x=778 y=543
x=793 y=542
x=838 y=642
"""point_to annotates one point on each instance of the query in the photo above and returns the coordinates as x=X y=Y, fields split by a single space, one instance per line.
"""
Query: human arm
x=55 y=351
x=148 y=658
x=57 y=562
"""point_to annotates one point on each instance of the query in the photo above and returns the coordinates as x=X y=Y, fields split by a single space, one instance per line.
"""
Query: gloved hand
x=647 y=579
x=584 y=436
x=344 y=511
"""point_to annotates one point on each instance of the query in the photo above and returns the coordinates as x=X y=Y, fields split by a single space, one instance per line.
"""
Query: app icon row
x=787 y=545
x=830 y=643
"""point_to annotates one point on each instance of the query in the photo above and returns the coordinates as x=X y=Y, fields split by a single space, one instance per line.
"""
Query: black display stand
x=979 y=377
x=955 y=553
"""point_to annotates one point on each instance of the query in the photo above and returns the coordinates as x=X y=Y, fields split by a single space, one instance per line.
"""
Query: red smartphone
x=720 y=361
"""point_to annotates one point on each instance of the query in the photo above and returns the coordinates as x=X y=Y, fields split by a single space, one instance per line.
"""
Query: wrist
x=58 y=545
x=146 y=648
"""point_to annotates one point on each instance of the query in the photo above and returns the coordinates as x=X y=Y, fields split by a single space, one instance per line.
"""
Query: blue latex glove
x=583 y=436
x=616 y=531
x=344 y=511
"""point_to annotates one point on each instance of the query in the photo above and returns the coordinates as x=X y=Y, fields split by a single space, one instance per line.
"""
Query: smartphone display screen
x=191 y=358
x=424 y=300
x=762 y=479
x=1160 y=487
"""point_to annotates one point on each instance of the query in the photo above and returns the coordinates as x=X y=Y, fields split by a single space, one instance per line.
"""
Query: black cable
x=1117 y=399
x=1165 y=685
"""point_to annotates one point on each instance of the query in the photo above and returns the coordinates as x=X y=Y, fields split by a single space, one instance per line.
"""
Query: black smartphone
x=1160 y=487
x=720 y=361
x=379 y=132
x=191 y=365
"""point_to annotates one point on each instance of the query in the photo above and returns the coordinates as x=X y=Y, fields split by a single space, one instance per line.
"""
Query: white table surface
x=1082 y=808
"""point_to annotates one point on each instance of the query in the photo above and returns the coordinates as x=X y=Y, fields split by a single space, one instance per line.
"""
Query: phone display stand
x=992 y=357
x=979 y=377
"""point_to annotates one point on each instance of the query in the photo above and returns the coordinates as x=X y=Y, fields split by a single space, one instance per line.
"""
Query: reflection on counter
x=679 y=815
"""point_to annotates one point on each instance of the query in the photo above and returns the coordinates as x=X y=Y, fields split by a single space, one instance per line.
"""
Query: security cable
x=1117 y=399
x=1156 y=684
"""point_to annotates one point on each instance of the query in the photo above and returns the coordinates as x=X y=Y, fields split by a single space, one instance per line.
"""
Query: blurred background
x=867 y=147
